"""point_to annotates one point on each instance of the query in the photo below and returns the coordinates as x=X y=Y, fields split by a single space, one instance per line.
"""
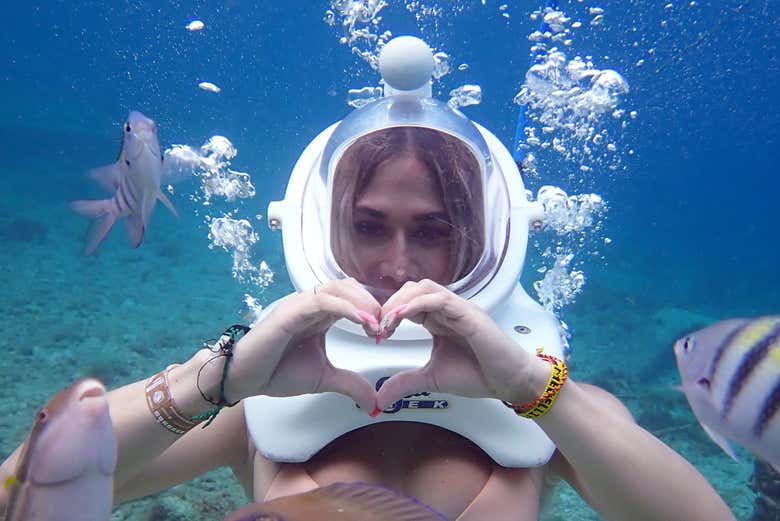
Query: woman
x=407 y=224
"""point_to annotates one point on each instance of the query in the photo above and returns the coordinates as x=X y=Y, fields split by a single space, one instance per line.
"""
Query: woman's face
x=400 y=231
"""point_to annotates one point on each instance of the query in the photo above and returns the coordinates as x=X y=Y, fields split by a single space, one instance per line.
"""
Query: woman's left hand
x=471 y=355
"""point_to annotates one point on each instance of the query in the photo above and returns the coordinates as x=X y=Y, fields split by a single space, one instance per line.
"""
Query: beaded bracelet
x=539 y=407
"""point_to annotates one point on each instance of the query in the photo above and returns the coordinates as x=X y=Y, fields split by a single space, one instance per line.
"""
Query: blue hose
x=520 y=129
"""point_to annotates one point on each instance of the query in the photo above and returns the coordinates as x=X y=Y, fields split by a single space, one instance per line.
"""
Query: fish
x=65 y=470
x=730 y=374
x=134 y=179
x=342 y=501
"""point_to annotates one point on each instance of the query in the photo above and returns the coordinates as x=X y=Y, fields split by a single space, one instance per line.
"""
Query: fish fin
x=358 y=500
x=679 y=388
x=147 y=207
x=721 y=440
x=104 y=217
x=167 y=202
x=107 y=176
x=135 y=229
x=775 y=466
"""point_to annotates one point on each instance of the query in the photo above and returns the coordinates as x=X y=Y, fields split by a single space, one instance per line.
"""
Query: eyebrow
x=431 y=216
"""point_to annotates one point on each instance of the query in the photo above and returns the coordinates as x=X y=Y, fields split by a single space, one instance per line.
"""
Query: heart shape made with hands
x=471 y=355
x=456 y=364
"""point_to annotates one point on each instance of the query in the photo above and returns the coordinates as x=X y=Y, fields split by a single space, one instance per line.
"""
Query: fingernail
x=384 y=322
x=377 y=412
x=392 y=317
x=366 y=316
x=369 y=319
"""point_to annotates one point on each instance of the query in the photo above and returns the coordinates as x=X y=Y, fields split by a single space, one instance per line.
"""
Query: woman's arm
x=284 y=355
x=142 y=442
x=620 y=469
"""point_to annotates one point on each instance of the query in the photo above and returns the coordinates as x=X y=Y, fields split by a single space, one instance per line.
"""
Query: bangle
x=539 y=407
x=161 y=404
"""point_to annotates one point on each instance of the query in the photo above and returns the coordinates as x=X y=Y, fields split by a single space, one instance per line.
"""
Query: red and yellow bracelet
x=539 y=407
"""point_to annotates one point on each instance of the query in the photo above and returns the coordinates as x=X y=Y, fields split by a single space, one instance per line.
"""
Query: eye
x=704 y=382
x=127 y=127
x=688 y=344
x=369 y=228
x=42 y=416
x=430 y=233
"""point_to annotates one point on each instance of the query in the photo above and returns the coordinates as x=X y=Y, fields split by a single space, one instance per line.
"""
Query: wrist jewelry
x=539 y=407
x=161 y=404
x=221 y=347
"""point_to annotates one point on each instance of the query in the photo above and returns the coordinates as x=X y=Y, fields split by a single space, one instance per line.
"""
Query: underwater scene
x=647 y=131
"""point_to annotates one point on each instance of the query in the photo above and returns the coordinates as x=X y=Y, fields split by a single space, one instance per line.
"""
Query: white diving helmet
x=292 y=429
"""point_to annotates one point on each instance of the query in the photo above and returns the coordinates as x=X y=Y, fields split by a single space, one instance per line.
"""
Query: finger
x=409 y=291
x=351 y=290
x=350 y=384
x=393 y=308
x=403 y=384
x=325 y=307
x=421 y=310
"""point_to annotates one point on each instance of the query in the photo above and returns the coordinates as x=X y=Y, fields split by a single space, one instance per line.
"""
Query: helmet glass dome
x=406 y=191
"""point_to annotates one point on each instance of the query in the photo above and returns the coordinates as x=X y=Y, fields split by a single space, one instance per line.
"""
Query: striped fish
x=730 y=374
x=342 y=501
x=135 y=181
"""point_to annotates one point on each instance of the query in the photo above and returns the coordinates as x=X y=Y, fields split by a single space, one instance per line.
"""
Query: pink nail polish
x=369 y=319
x=365 y=316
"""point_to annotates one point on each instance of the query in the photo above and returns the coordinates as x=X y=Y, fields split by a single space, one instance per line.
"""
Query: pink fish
x=343 y=501
x=135 y=180
x=730 y=374
x=66 y=468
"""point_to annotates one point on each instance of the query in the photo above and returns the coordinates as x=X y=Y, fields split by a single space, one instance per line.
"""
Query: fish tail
x=104 y=216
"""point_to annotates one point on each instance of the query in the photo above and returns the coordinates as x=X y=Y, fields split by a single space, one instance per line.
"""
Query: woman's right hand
x=284 y=354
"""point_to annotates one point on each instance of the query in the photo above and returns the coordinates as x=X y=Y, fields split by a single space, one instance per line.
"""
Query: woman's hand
x=284 y=355
x=471 y=355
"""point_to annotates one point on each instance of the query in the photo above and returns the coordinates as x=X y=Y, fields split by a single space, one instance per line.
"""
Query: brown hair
x=457 y=175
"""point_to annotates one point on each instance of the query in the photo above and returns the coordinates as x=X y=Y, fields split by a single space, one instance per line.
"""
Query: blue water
x=693 y=218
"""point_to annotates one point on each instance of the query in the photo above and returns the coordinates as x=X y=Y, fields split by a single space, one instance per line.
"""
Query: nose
x=399 y=264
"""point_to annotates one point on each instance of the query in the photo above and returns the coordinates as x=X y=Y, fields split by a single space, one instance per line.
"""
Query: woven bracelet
x=221 y=347
x=539 y=407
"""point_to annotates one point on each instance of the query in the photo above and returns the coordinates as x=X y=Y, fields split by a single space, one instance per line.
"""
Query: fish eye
x=127 y=162
x=127 y=127
x=43 y=414
x=704 y=382
x=688 y=344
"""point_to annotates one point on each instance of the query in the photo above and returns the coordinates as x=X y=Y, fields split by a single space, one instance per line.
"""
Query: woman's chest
x=439 y=468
